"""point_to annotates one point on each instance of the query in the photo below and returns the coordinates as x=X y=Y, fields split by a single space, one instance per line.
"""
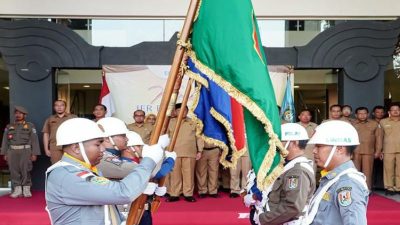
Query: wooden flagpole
x=137 y=207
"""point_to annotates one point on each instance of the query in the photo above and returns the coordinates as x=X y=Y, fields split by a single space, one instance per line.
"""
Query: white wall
x=305 y=9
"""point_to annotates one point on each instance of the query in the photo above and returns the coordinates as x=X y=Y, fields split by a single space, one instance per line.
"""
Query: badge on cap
x=344 y=197
x=293 y=182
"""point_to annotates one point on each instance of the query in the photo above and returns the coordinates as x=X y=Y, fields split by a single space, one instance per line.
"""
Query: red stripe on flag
x=238 y=124
x=104 y=87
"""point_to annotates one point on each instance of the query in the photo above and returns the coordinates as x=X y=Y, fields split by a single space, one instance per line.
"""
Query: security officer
x=140 y=127
x=286 y=201
x=342 y=196
x=75 y=191
x=391 y=150
x=20 y=147
x=189 y=149
x=111 y=164
x=370 y=136
x=305 y=121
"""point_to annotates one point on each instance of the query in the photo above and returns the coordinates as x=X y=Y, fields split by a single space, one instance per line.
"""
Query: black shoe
x=388 y=192
x=202 y=195
x=172 y=199
x=166 y=195
x=189 y=199
x=226 y=190
x=213 y=195
x=234 y=195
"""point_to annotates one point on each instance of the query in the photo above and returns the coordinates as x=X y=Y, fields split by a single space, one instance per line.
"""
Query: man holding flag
x=230 y=70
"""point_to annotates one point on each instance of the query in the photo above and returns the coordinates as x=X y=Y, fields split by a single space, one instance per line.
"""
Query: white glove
x=163 y=141
x=169 y=154
x=256 y=217
x=153 y=152
x=150 y=189
x=248 y=200
x=161 y=191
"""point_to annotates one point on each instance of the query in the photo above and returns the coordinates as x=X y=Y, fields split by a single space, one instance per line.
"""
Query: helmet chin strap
x=112 y=142
x=83 y=153
x=330 y=156
x=287 y=144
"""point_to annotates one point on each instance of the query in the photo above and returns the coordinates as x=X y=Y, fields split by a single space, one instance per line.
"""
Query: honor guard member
x=20 y=147
x=133 y=153
x=75 y=191
x=342 y=196
x=50 y=129
x=207 y=171
x=111 y=165
x=286 y=200
x=140 y=127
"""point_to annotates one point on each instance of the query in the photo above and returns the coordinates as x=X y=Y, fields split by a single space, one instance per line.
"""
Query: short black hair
x=347 y=106
x=378 y=107
x=179 y=105
x=394 y=104
x=362 y=108
x=335 y=105
x=350 y=149
x=104 y=107
x=305 y=110
x=139 y=110
x=303 y=144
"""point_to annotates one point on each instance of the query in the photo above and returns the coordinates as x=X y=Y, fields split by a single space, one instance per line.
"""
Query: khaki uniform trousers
x=365 y=164
x=20 y=166
x=182 y=177
x=239 y=174
x=207 y=172
x=391 y=168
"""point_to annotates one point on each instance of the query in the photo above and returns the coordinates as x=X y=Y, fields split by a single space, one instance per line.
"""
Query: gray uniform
x=345 y=202
x=75 y=195
x=20 y=142
x=113 y=167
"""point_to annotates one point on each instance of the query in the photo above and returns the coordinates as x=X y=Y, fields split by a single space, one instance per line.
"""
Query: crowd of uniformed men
x=86 y=157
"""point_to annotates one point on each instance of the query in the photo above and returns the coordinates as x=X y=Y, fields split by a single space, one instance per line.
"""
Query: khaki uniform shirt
x=20 y=135
x=290 y=194
x=310 y=128
x=51 y=125
x=391 y=135
x=187 y=144
x=370 y=136
x=144 y=130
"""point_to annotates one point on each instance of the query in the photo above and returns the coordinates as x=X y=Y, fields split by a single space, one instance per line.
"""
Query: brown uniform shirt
x=370 y=136
x=51 y=125
x=290 y=194
x=20 y=134
x=144 y=130
x=187 y=144
x=391 y=135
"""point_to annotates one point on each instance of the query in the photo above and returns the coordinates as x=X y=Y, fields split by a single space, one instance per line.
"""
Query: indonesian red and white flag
x=105 y=97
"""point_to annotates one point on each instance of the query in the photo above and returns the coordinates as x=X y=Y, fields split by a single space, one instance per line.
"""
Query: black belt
x=210 y=148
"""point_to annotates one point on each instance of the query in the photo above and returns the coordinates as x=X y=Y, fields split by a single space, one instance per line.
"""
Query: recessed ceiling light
x=6 y=87
x=86 y=86
x=296 y=86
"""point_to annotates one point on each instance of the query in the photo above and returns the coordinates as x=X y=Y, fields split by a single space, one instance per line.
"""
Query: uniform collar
x=332 y=174
x=69 y=158
x=126 y=159
x=114 y=151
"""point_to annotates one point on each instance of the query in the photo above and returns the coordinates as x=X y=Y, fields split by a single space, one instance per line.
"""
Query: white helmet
x=335 y=132
x=112 y=126
x=293 y=132
x=77 y=130
x=134 y=139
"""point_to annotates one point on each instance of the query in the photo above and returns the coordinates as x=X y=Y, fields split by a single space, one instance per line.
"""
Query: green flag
x=226 y=48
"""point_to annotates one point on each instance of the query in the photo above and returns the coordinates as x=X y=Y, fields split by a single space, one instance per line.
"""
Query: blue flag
x=288 y=111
